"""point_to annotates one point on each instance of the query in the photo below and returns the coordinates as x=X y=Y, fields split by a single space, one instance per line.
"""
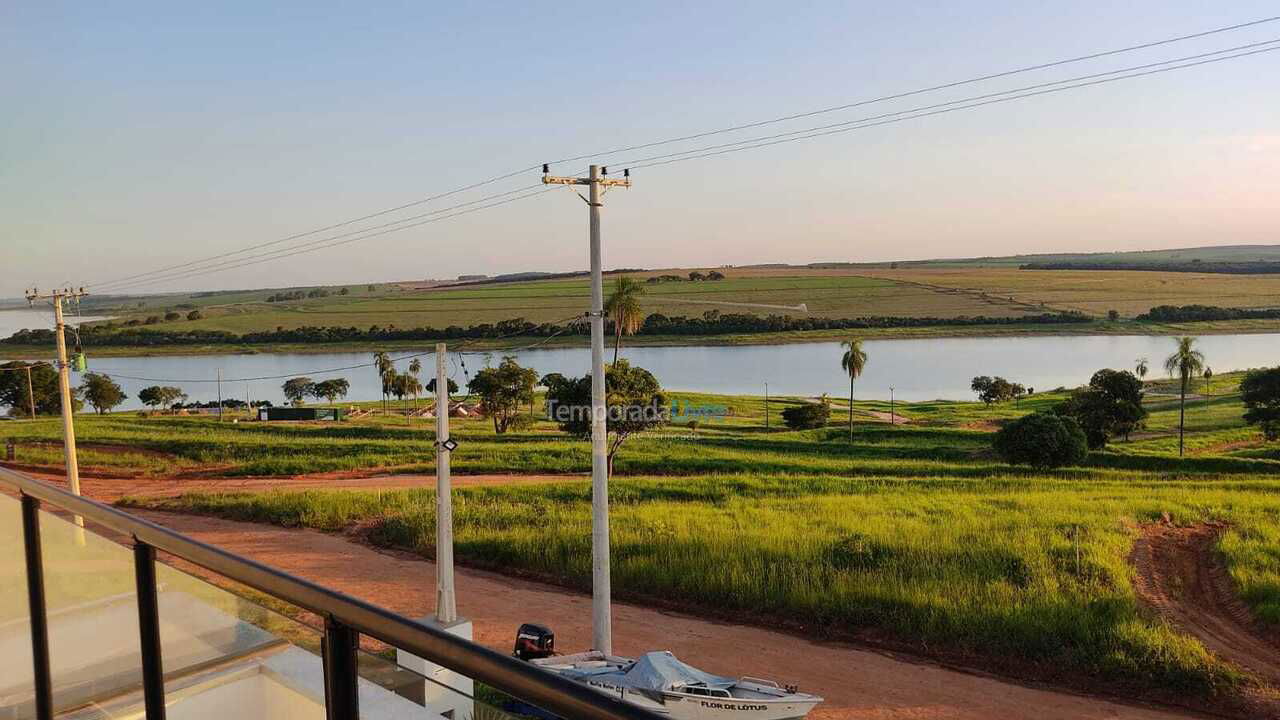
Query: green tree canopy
x=502 y=390
x=1111 y=406
x=297 y=390
x=634 y=402
x=1041 y=440
x=102 y=392
x=1260 y=391
x=44 y=387
x=165 y=395
x=331 y=389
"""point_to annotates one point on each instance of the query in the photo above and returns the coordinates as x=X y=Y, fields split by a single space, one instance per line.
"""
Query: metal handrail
x=507 y=674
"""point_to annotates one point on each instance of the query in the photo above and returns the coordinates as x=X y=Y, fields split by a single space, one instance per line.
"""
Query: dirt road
x=1178 y=573
x=111 y=489
x=857 y=684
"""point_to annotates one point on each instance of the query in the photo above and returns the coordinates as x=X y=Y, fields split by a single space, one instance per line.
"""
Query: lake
x=917 y=369
x=11 y=321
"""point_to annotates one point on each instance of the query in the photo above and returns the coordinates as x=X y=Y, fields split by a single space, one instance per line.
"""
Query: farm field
x=913 y=536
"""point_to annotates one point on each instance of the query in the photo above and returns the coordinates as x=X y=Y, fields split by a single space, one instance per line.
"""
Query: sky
x=136 y=136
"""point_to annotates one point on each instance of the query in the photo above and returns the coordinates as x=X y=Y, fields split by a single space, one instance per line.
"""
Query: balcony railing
x=345 y=620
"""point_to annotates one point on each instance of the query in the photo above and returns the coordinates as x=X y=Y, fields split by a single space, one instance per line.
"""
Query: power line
x=840 y=128
x=684 y=138
x=933 y=88
x=370 y=216
x=279 y=254
x=286 y=251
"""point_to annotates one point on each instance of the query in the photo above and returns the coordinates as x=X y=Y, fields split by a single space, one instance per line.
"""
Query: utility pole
x=766 y=406
x=219 y=394
x=893 y=419
x=446 y=601
x=31 y=394
x=601 y=611
x=64 y=387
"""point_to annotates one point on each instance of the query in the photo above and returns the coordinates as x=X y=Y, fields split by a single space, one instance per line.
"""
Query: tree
x=164 y=395
x=1184 y=363
x=44 y=391
x=331 y=389
x=1260 y=391
x=715 y=275
x=415 y=367
x=1041 y=440
x=404 y=385
x=451 y=387
x=634 y=402
x=852 y=362
x=623 y=308
x=695 y=276
x=1208 y=375
x=194 y=315
x=386 y=368
x=1140 y=369
x=1110 y=406
x=101 y=392
x=297 y=390
x=1113 y=315
x=994 y=389
x=806 y=416
x=171 y=315
x=503 y=390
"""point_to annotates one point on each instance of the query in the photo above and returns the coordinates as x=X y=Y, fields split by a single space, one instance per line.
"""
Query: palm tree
x=1141 y=368
x=853 y=362
x=383 y=364
x=1185 y=362
x=415 y=367
x=623 y=308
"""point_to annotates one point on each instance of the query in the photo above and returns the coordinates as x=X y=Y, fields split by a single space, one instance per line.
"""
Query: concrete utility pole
x=446 y=602
x=31 y=394
x=601 y=612
x=219 y=394
x=766 y=406
x=64 y=385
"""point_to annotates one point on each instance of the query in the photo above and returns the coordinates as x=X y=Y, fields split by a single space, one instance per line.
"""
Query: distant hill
x=1246 y=259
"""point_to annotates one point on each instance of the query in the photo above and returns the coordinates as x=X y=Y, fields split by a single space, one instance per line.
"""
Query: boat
x=660 y=683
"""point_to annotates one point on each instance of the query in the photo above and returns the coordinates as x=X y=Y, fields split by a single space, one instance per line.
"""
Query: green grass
x=982 y=567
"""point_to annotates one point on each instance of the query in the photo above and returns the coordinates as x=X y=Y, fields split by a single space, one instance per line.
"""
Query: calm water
x=11 y=321
x=923 y=369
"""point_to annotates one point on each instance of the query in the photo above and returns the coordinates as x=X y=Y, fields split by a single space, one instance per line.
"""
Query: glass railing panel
x=92 y=616
x=390 y=689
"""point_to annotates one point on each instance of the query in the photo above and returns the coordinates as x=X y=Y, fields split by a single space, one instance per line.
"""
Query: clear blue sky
x=137 y=135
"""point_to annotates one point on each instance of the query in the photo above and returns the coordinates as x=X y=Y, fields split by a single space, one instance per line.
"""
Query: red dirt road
x=857 y=684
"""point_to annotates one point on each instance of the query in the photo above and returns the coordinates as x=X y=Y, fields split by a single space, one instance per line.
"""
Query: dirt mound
x=1181 y=576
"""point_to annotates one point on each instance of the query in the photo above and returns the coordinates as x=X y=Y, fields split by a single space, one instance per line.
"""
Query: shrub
x=172 y=315
x=807 y=416
x=1260 y=392
x=1041 y=440
x=194 y=315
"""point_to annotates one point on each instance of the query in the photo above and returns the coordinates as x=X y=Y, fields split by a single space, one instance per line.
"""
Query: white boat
x=658 y=682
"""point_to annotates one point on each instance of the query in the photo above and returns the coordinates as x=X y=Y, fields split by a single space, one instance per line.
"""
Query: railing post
x=36 y=604
x=144 y=570
x=341 y=698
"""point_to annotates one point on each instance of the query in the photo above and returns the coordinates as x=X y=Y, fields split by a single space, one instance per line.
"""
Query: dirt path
x=1179 y=574
x=111 y=489
x=857 y=684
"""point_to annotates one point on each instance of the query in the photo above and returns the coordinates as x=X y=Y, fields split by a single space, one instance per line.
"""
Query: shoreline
x=1100 y=328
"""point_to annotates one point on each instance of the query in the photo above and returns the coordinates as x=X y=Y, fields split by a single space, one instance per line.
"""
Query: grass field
x=912 y=534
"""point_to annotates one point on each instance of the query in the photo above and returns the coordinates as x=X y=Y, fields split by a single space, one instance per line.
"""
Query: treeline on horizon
x=1260 y=267
x=1205 y=313
x=711 y=323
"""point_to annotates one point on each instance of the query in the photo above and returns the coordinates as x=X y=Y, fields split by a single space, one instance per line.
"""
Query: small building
x=301 y=413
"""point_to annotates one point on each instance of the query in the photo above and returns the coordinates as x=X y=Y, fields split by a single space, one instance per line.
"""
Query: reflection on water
x=920 y=369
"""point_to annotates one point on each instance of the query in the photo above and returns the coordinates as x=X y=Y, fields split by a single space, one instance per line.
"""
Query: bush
x=172 y=315
x=807 y=416
x=194 y=315
x=1041 y=440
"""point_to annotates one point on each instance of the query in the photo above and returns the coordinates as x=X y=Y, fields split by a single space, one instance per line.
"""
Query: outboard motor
x=534 y=641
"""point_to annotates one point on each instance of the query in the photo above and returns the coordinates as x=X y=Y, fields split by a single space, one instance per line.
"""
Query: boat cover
x=654 y=672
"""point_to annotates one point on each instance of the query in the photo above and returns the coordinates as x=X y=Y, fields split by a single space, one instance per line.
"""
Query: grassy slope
x=911 y=533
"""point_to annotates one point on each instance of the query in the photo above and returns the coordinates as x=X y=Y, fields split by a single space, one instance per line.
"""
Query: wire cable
x=839 y=128
x=694 y=136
